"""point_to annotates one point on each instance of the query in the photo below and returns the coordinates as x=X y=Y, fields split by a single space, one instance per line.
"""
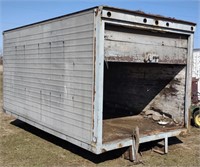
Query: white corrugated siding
x=48 y=74
x=196 y=67
x=196 y=64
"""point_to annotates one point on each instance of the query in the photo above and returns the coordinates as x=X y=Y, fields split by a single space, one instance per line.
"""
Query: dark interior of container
x=130 y=87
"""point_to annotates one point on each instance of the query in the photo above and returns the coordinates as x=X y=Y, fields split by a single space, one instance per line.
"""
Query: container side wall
x=48 y=74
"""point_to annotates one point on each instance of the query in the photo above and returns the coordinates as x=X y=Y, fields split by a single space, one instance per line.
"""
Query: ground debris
x=156 y=117
x=160 y=118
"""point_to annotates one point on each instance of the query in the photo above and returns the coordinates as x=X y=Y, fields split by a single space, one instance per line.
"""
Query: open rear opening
x=144 y=81
x=150 y=96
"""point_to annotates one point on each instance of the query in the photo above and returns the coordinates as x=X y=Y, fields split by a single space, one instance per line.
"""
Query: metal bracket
x=133 y=150
x=165 y=151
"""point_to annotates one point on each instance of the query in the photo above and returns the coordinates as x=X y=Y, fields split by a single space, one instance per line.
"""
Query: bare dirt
x=22 y=145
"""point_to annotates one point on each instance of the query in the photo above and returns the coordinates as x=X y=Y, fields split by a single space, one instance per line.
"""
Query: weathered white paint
x=48 y=71
x=196 y=67
x=129 y=45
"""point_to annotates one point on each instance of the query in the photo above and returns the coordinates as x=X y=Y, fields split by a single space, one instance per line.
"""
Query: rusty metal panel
x=131 y=45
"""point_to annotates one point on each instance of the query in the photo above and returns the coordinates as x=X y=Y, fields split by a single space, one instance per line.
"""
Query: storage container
x=102 y=78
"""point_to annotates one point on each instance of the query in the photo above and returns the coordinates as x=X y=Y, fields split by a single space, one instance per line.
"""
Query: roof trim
x=141 y=13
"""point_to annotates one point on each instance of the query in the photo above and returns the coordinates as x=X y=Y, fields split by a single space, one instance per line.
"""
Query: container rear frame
x=119 y=20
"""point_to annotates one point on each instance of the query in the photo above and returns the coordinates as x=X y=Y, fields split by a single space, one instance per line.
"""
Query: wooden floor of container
x=120 y=128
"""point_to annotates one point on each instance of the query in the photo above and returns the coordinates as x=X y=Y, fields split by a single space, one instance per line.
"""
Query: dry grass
x=22 y=145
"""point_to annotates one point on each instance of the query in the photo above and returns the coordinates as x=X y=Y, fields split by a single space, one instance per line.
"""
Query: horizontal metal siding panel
x=70 y=60
x=51 y=72
x=69 y=37
x=55 y=112
x=81 y=40
x=49 y=63
x=58 y=100
x=48 y=74
x=135 y=52
x=53 y=33
x=136 y=46
x=83 y=99
x=49 y=122
x=66 y=22
x=72 y=94
x=52 y=50
x=61 y=80
x=145 y=39
x=46 y=70
x=49 y=86
x=68 y=119
x=44 y=36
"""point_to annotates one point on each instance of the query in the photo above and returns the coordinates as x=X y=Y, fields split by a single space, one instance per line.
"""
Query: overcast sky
x=14 y=13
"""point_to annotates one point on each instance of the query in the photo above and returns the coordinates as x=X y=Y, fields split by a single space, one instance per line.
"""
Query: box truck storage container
x=95 y=76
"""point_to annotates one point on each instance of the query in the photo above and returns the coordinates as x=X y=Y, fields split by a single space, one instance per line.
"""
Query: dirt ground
x=22 y=145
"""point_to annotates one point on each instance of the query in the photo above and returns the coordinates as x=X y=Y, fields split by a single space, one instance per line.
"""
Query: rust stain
x=175 y=82
x=120 y=58
x=195 y=90
x=142 y=59
x=103 y=150
x=93 y=99
x=120 y=145
x=97 y=10
x=170 y=91
x=172 y=61
x=121 y=128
